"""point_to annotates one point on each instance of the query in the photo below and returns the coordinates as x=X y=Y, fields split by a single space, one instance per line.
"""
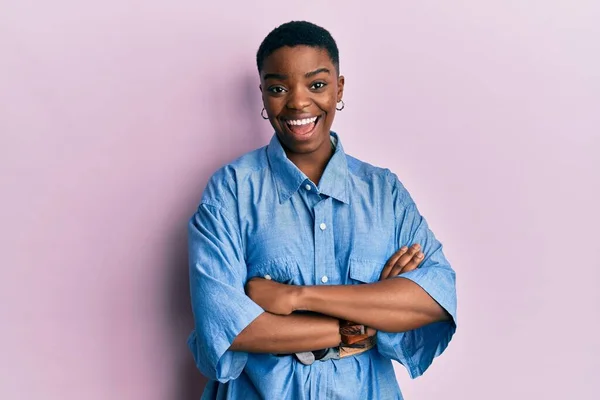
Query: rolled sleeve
x=220 y=306
x=417 y=348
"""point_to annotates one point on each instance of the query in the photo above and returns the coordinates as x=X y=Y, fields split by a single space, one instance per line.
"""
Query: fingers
x=391 y=262
x=408 y=261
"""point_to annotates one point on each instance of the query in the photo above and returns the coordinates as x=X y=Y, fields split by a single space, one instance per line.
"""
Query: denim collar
x=289 y=178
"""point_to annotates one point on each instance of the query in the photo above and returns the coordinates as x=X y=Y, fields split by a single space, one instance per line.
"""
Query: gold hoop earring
x=342 y=107
x=262 y=114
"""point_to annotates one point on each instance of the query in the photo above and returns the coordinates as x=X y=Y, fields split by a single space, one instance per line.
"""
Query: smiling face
x=300 y=89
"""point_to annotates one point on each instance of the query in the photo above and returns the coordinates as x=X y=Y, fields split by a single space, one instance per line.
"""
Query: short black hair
x=298 y=33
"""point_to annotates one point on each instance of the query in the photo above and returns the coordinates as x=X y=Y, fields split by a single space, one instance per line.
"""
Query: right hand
x=404 y=260
x=274 y=297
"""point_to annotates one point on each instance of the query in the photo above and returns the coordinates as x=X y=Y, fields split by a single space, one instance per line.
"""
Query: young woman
x=311 y=270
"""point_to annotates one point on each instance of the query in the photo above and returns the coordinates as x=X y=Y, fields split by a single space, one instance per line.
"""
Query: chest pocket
x=364 y=271
x=282 y=270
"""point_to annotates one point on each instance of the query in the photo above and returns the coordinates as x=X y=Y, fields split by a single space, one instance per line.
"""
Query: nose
x=298 y=99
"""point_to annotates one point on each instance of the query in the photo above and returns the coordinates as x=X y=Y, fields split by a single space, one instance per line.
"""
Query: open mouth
x=302 y=127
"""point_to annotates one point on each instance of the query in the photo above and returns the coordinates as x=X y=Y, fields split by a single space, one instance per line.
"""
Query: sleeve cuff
x=439 y=283
x=214 y=359
x=417 y=348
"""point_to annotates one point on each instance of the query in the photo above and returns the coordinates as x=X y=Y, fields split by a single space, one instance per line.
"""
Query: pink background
x=114 y=114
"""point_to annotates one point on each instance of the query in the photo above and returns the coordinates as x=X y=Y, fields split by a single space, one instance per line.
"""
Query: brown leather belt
x=367 y=344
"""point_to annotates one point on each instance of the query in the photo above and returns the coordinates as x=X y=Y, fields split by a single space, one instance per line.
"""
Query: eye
x=318 y=85
x=276 y=89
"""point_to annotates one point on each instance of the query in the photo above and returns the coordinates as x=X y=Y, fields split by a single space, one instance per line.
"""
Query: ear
x=340 y=92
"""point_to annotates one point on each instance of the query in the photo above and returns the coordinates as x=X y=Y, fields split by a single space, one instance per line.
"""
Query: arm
x=393 y=305
x=270 y=333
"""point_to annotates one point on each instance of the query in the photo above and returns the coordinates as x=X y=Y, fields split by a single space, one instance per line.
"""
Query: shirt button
x=307 y=187
x=268 y=277
x=324 y=279
x=323 y=226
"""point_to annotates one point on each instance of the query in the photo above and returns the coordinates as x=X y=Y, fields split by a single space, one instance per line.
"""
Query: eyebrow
x=307 y=75
x=316 y=72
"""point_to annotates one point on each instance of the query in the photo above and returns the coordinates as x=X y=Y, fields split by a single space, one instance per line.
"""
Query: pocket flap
x=279 y=269
x=365 y=271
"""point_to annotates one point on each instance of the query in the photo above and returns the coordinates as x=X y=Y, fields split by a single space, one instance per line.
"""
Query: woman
x=294 y=240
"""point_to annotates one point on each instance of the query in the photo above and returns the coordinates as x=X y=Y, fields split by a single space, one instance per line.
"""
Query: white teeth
x=302 y=121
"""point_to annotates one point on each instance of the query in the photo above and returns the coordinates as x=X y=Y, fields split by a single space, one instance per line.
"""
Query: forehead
x=297 y=60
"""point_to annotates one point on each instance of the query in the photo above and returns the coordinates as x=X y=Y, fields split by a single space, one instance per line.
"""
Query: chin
x=304 y=145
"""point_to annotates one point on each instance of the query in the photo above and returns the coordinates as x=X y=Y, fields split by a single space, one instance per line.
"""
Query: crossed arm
x=391 y=305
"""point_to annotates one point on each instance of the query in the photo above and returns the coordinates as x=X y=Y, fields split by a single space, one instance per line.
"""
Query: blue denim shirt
x=260 y=215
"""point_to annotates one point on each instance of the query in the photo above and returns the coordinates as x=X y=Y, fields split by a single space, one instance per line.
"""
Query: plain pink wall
x=114 y=114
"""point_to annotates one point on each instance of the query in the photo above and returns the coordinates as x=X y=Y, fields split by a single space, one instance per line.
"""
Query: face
x=300 y=89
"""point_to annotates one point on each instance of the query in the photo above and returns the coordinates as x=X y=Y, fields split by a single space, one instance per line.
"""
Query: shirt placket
x=324 y=243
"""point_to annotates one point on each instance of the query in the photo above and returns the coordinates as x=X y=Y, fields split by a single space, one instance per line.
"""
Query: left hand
x=404 y=260
x=274 y=297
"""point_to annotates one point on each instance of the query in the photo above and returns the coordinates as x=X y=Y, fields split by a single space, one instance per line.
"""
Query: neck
x=312 y=164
